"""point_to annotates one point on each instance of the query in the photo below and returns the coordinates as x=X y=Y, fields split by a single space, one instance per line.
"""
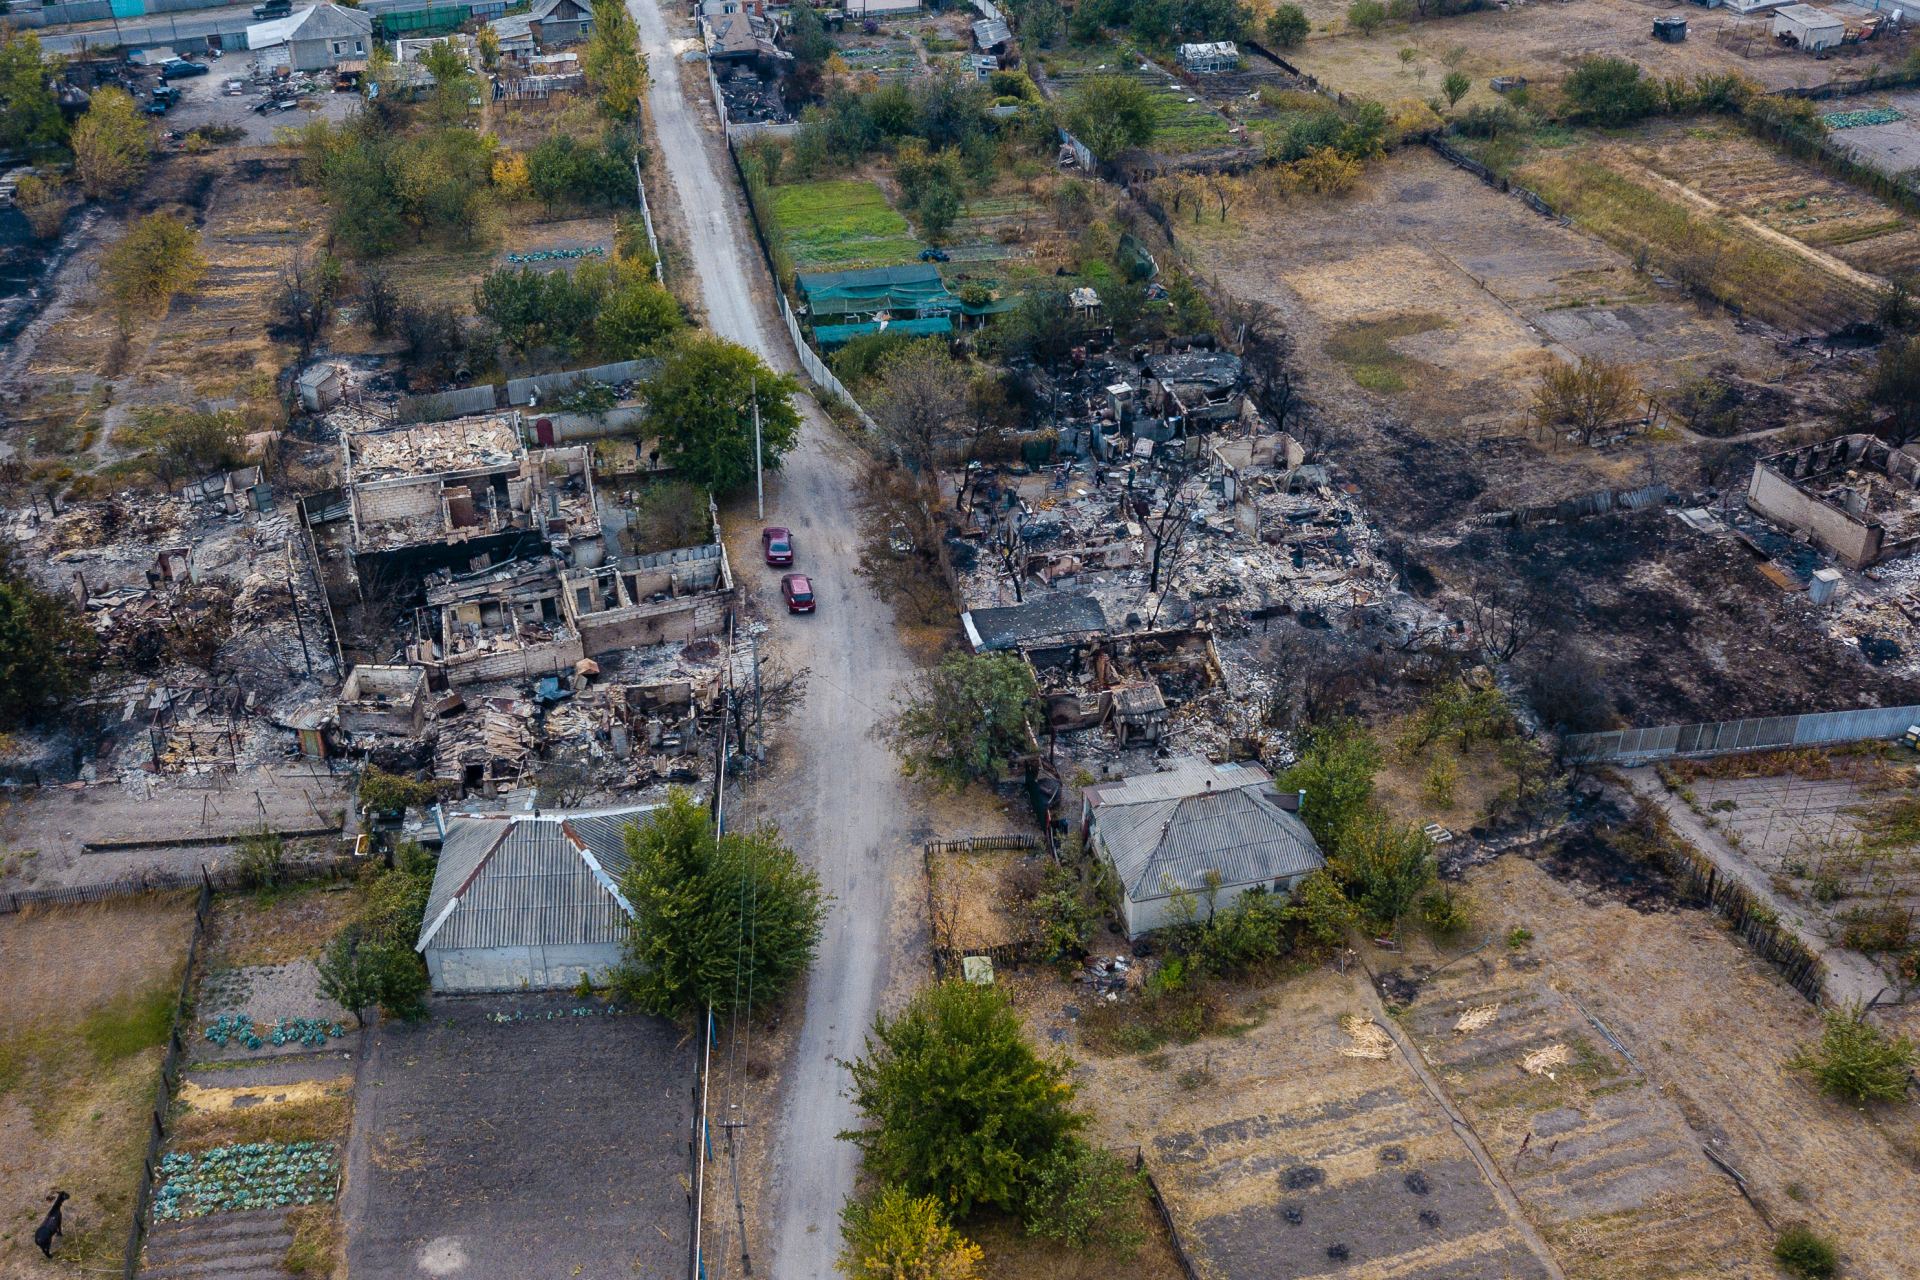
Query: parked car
x=158 y=107
x=797 y=590
x=271 y=105
x=166 y=93
x=933 y=255
x=777 y=544
x=273 y=9
x=181 y=68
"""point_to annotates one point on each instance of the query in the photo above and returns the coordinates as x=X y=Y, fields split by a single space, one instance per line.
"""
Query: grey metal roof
x=1044 y=617
x=1166 y=831
x=523 y=880
x=330 y=22
x=989 y=32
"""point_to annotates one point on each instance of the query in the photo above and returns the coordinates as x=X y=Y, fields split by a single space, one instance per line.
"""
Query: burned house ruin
x=1854 y=496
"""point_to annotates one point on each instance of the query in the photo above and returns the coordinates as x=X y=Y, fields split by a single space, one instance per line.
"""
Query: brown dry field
x=1737 y=171
x=85 y=989
x=249 y=930
x=1606 y=1154
x=969 y=903
x=1542 y=40
x=1475 y=294
x=1711 y=1027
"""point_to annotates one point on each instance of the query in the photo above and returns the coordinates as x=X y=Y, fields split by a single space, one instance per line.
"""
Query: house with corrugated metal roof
x=528 y=901
x=1167 y=834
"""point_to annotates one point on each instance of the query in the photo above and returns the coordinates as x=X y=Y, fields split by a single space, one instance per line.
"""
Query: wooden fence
x=169 y=1080
x=1754 y=921
x=948 y=960
x=1166 y=1215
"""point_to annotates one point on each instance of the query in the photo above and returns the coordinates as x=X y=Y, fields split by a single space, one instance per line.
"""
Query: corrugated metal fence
x=1725 y=737
x=442 y=405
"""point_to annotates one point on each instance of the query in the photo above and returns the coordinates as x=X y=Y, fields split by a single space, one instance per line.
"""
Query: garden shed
x=1167 y=834
x=528 y=901
x=1807 y=27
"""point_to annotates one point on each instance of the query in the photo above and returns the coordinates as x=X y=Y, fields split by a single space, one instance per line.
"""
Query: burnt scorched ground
x=1674 y=626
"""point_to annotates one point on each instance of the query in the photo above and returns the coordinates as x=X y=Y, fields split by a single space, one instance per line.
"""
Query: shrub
x=1384 y=866
x=1856 y=1061
x=1805 y=1254
x=895 y=1235
x=1609 y=91
x=1286 y=26
x=1085 y=1197
x=961 y=721
x=1366 y=16
x=1445 y=914
x=260 y=858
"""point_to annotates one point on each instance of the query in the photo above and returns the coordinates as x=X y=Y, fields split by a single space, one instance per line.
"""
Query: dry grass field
x=1429 y=292
x=84 y=1012
x=1540 y=40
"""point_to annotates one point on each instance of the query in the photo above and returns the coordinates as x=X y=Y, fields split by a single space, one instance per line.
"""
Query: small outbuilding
x=1167 y=834
x=528 y=901
x=1806 y=27
x=321 y=385
x=317 y=38
x=1215 y=55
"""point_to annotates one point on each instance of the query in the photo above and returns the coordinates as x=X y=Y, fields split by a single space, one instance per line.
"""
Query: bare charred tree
x=918 y=397
x=1267 y=350
x=1505 y=619
x=1171 y=525
x=565 y=781
x=370 y=624
x=303 y=300
x=382 y=302
x=1583 y=398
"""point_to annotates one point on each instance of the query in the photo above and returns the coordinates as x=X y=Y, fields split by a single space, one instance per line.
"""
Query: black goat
x=50 y=1225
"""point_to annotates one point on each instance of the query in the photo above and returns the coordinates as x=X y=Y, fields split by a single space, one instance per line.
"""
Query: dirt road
x=848 y=809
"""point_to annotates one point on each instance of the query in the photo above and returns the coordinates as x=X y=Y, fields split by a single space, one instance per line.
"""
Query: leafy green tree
x=808 y=40
x=637 y=317
x=1085 y=1197
x=1455 y=86
x=1364 y=135
x=30 y=118
x=383 y=792
x=703 y=399
x=46 y=651
x=963 y=719
x=893 y=1235
x=1041 y=326
x=1042 y=23
x=1286 y=26
x=1384 y=865
x=1609 y=91
x=1366 y=16
x=359 y=173
x=1335 y=768
x=111 y=145
x=1857 y=1061
x=957 y=1104
x=561 y=170
x=1212 y=19
x=157 y=258
x=695 y=899
x=1321 y=909
x=357 y=971
x=1110 y=113
x=615 y=68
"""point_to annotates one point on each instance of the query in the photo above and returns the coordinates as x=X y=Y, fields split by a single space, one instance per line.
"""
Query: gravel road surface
x=849 y=810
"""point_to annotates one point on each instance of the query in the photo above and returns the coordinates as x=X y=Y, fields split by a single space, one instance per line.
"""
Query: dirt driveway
x=511 y=1136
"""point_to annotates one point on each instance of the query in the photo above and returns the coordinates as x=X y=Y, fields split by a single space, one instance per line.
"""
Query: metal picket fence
x=1728 y=737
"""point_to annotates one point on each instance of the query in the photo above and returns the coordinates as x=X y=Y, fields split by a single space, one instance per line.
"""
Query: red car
x=797 y=591
x=777 y=544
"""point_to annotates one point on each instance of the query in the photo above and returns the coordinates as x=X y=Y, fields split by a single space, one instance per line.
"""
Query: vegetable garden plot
x=248 y=1175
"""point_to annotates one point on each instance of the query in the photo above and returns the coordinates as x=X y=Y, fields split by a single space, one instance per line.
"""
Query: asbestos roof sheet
x=1166 y=831
x=1045 y=617
x=523 y=880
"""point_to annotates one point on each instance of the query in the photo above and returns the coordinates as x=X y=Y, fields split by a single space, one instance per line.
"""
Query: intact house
x=1167 y=834
x=557 y=22
x=1855 y=496
x=318 y=38
x=527 y=900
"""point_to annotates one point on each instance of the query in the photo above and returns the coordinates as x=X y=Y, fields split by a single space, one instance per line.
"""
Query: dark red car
x=797 y=590
x=777 y=544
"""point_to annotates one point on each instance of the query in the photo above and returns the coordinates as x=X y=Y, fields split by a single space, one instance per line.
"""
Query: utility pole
x=759 y=488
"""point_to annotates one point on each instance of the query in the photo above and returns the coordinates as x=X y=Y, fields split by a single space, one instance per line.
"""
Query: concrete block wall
x=1855 y=542
x=405 y=499
x=553 y=658
x=674 y=621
